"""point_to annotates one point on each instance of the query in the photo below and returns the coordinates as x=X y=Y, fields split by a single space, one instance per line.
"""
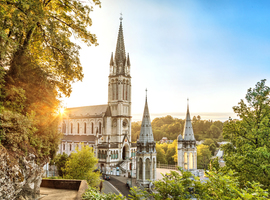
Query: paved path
x=57 y=194
x=109 y=188
x=163 y=171
x=120 y=184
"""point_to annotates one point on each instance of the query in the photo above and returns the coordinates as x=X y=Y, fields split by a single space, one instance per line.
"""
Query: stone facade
x=106 y=128
x=146 y=151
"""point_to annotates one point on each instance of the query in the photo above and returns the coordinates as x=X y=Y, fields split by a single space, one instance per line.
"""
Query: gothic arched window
x=185 y=160
x=147 y=169
x=116 y=85
x=154 y=170
x=71 y=128
x=116 y=154
x=190 y=161
x=84 y=127
x=92 y=126
x=78 y=131
x=99 y=127
x=140 y=168
x=126 y=90
x=64 y=127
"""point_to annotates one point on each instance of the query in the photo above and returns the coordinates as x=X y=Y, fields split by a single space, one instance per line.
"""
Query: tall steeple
x=188 y=130
x=120 y=54
x=146 y=151
x=146 y=134
x=186 y=147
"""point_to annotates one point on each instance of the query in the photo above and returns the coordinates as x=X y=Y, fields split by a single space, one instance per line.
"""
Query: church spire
x=111 y=61
x=120 y=54
x=128 y=61
x=146 y=134
x=188 y=130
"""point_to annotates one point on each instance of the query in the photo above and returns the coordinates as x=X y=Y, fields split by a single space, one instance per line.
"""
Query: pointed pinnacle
x=111 y=62
x=128 y=61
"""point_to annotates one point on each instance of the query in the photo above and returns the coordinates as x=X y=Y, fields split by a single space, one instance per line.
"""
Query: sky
x=208 y=51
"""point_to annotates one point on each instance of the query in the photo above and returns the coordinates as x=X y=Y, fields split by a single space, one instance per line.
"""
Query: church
x=105 y=128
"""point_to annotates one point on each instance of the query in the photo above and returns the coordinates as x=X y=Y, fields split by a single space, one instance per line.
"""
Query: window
x=70 y=147
x=190 y=161
x=140 y=168
x=147 y=169
x=116 y=154
x=116 y=85
x=99 y=127
x=64 y=127
x=64 y=148
x=126 y=91
x=92 y=127
x=71 y=128
x=84 y=128
x=78 y=131
x=113 y=91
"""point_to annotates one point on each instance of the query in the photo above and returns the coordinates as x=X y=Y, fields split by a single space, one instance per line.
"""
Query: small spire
x=146 y=93
x=111 y=62
x=146 y=134
x=187 y=105
x=128 y=61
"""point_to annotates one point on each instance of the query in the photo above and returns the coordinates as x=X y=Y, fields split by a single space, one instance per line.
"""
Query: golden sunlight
x=62 y=111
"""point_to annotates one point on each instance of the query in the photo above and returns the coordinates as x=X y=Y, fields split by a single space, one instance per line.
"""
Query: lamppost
x=131 y=173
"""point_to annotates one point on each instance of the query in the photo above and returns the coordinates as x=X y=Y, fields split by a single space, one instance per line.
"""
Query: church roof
x=188 y=130
x=80 y=138
x=88 y=111
x=146 y=134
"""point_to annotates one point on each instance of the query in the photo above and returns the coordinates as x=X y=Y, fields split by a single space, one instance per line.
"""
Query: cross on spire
x=121 y=17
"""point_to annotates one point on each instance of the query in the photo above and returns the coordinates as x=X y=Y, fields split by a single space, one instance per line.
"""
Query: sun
x=62 y=111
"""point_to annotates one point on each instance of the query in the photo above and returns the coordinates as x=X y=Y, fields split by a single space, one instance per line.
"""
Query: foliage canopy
x=81 y=165
x=248 y=152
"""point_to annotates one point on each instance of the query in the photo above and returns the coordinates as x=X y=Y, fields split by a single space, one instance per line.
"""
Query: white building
x=146 y=151
x=187 y=150
x=106 y=128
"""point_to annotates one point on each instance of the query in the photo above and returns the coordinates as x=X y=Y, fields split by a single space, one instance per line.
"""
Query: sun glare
x=62 y=110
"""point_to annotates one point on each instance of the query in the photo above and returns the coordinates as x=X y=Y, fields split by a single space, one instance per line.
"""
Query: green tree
x=226 y=186
x=219 y=186
x=43 y=29
x=161 y=155
x=92 y=194
x=248 y=150
x=212 y=148
x=171 y=152
x=60 y=162
x=81 y=165
x=208 y=142
x=215 y=131
x=203 y=156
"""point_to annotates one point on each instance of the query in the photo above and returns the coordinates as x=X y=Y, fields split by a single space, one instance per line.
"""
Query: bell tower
x=146 y=151
x=187 y=150
x=119 y=93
